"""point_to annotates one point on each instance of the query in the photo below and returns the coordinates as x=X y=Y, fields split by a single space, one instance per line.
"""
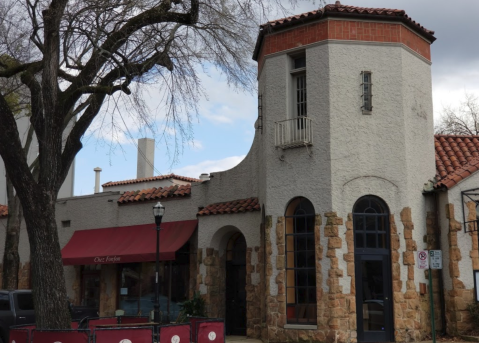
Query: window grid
x=367 y=91
x=300 y=248
x=301 y=95
x=371 y=225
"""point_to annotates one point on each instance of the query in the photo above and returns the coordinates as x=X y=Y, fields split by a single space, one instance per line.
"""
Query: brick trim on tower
x=342 y=30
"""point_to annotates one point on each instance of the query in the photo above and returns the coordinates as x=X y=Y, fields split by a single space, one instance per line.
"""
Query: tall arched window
x=300 y=262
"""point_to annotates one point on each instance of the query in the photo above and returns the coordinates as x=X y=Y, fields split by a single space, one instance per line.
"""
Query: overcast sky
x=224 y=131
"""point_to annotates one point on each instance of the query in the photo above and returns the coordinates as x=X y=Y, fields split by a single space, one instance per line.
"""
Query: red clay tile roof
x=3 y=211
x=344 y=10
x=457 y=157
x=234 y=206
x=175 y=191
x=148 y=179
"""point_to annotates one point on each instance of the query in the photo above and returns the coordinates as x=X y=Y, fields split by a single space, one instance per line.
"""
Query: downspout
x=437 y=231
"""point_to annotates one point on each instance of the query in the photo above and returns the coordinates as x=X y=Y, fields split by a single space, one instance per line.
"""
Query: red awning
x=127 y=244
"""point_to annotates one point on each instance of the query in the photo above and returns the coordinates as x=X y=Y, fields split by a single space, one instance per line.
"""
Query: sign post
x=435 y=263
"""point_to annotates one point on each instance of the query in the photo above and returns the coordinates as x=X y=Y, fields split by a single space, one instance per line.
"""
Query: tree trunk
x=11 y=258
x=48 y=280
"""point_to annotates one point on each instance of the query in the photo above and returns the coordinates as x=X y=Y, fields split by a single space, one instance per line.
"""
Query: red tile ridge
x=148 y=179
x=234 y=206
x=459 y=174
x=346 y=9
x=153 y=194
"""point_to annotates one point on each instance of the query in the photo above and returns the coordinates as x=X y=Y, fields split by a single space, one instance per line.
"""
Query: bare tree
x=73 y=57
x=461 y=120
x=17 y=97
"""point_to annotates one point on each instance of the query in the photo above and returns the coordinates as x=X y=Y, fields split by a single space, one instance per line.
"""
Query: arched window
x=300 y=262
x=371 y=223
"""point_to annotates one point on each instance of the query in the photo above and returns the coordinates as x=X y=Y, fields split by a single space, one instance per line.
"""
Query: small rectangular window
x=367 y=95
x=66 y=223
x=299 y=62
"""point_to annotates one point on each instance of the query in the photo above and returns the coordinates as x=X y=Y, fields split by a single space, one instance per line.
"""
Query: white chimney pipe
x=204 y=177
x=146 y=158
x=97 y=171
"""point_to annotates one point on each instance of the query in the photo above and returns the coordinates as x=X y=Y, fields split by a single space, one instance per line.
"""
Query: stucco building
x=313 y=236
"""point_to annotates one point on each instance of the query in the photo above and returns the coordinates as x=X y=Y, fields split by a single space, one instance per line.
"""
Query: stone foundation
x=336 y=310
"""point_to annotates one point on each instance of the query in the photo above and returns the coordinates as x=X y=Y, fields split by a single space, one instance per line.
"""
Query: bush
x=474 y=311
x=192 y=308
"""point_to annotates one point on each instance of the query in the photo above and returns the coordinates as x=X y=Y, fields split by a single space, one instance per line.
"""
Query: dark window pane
x=312 y=295
x=358 y=223
x=300 y=259
x=310 y=262
x=359 y=240
x=382 y=241
x=371 y=223
x=312 y=278
x=310 y=244
x=301 y=243
x=371 y=240
x=310 y=224
x=302 y=278
x=300 y=62
x=382 y=223
x=302 y=295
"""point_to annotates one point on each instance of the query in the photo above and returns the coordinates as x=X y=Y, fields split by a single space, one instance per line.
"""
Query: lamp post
x=158 y=212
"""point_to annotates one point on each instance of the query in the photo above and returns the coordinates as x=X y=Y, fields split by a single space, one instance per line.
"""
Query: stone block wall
x=410 y=320
x=214 y=280
x=458 y=297
x=336 y=310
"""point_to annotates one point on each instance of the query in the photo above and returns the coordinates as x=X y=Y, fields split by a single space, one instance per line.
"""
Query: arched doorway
x=236 y=285
x=372 y=256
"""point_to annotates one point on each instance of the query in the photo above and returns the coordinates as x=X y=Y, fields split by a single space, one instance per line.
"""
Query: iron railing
x=292 y=133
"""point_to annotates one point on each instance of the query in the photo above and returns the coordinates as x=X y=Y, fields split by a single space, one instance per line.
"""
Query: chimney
x=146 y=158
x=204 y=177
x=97 y=171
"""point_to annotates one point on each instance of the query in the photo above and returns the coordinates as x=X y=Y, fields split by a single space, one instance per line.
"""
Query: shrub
x=474 y=311
x=192 y=308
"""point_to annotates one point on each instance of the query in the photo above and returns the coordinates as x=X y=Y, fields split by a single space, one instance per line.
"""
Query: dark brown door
x=236 y=286
x=235 y=299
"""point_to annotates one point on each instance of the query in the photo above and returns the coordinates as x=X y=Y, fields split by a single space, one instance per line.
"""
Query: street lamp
x=158 y=212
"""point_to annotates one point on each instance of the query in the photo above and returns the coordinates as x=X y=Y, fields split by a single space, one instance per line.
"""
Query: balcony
x=293 y=133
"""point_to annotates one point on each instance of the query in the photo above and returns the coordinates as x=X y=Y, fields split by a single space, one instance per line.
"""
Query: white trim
x=300 y=327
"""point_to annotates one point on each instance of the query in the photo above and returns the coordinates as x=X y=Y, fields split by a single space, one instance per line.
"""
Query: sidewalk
x=244 y=339
x=241 y=339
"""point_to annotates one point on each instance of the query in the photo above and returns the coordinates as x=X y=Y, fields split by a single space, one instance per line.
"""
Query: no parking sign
x=422 y=259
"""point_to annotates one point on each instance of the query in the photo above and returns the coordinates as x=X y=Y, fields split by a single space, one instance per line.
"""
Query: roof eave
x=278 y=27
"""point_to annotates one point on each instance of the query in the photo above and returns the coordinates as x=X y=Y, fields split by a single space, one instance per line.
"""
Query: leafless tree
x=17 y=97
x=73 y=57
x=461 y=120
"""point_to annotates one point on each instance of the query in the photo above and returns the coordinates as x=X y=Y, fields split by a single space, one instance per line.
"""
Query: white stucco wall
x=464 y=240
x=389 y=153
x=23 y=124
